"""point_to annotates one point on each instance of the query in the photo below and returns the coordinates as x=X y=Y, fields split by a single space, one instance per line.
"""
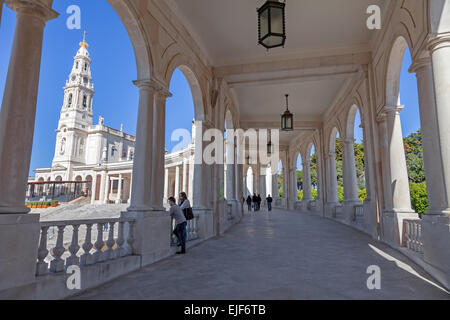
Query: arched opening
x=280 y=180
x=335 y=186
x=113 y=39
x=299 y=177
x=229 y=174
x=312 y=162
x=404 y=134
x=355 y=133
x=180 y=135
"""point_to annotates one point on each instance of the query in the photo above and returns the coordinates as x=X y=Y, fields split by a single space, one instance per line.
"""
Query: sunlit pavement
x=277 y=255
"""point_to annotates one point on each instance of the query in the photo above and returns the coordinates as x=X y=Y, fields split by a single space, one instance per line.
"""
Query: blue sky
x=114 y=69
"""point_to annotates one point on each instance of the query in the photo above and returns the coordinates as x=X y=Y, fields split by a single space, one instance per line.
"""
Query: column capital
x=155 y=85
x=438 y=40
x=389 y=111
x=419 y=64
x=331 y=154
x=32 y=8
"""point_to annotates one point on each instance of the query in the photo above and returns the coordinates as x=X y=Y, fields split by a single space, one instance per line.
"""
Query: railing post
x=74 y=247
x=110 y=242
x=86 y=258
x=119 y=252
x=42 y=266
x=98 y=254
x=57 y=264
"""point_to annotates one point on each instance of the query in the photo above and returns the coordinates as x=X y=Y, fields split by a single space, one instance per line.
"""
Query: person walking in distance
x=180 y=224
x=249 y=203
x=255 y=202
x=269 y=202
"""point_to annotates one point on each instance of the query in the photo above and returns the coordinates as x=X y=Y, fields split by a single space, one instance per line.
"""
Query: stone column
x=158 y=158
x=1 y=7
x=177 y=182
x=17 y=115
x=307 y=193
x=397 y=177
x=119 y=190
x=143 y=158
x=19 y=232
x=397 y=161
x=275 y=186
x=230 y=187
x=94 y=187
x=130 y=189
x=333 y=192
x=262 y=183
x=434 y=96
x=350 y=180
x=166 y=185
x=184 y=175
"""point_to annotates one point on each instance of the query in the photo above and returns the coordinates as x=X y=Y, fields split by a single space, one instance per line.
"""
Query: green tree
x=414 y=157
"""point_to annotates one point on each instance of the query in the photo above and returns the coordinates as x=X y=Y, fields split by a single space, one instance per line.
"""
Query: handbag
x=188 y=214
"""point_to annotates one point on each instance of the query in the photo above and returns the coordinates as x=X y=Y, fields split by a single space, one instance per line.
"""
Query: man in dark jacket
x=259 y=202
x=255 y=202
x=269 y=202
x=249 y=203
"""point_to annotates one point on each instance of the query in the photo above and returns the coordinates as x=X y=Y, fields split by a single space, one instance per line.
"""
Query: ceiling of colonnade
x=306 y=68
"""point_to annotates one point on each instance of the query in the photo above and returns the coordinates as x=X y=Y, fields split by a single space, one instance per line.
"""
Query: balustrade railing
x=60 y=245
x=191 y=230
x=358 y=213
x=412 y=235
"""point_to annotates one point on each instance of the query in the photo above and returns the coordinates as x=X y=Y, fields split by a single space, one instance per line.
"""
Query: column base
x=205 y=223
x=370 y=218
x=436 y=239
x=392 y=232
x=349 y=211
x=14 y=210
x=152 y=234
x=19 y=236
x=330 y=211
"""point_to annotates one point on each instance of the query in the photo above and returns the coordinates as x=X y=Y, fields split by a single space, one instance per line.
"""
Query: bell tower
x=76 y=112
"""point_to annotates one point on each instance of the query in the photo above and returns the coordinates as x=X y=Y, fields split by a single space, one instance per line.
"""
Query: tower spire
x=84 y=43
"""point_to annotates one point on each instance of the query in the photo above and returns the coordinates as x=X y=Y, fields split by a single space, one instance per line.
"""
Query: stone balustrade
x=412 y=231
x=358 y=213
x=82 y=242
x=191 y=230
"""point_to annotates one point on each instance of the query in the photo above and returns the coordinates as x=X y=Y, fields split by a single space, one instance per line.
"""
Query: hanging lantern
x=287 y=119
x=272 y=24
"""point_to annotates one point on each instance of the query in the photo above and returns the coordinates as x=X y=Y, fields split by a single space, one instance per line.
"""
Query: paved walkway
x=281 y=255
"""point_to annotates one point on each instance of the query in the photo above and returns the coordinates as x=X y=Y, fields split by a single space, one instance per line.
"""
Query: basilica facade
x=99 y=155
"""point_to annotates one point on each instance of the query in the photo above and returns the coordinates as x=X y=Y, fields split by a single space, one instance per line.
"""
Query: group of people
x=255 y=202
x=179 y=213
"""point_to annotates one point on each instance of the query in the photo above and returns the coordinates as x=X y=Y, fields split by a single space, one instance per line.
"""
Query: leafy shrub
x=362 y=194
x=314 y=194
x=340 y=193
x=419 y=200
x=300 y=195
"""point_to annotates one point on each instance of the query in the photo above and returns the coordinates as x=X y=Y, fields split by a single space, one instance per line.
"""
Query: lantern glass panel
x=264 y=23
x=289 y=122
x=276 y=20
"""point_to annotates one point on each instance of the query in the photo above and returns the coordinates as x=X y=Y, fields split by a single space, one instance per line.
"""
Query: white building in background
x=98 y=153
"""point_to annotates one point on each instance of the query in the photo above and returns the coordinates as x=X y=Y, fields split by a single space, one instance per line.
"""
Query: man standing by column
x=180 y=221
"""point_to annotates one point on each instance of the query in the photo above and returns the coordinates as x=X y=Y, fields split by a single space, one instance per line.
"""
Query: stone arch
x=197 y=90
x=393 y=71
x=132 y=21
x=350 y=123
x=332 y=142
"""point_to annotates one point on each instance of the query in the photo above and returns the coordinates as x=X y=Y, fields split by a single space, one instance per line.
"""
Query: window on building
x=69 y=103
x=85 y=67
x=84 y=101
x=76 y=67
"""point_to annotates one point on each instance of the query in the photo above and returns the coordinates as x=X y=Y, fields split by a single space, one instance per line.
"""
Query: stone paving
x=278 y=255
